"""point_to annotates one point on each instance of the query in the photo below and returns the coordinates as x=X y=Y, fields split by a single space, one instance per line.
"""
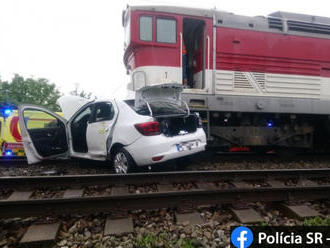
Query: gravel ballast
x=152 y=228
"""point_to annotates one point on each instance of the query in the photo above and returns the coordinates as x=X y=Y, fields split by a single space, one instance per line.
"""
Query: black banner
x=288 y=236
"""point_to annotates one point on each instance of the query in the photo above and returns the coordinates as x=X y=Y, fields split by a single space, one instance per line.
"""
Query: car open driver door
x=44 y=134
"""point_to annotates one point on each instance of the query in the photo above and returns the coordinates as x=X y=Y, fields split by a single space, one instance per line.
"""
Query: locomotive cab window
x=166 y=30
x=145 y=28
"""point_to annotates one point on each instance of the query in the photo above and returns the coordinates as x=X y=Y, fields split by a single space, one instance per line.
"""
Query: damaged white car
x=153 y=128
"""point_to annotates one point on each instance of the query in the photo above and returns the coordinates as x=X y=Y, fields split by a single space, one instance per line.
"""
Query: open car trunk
x=163 y=102
x=180 y=125
x=164 y=92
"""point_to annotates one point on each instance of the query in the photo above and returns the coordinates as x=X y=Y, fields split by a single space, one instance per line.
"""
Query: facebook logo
x=241 y=237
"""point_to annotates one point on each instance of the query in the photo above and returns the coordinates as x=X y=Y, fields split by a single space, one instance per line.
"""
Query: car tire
x=123 y=162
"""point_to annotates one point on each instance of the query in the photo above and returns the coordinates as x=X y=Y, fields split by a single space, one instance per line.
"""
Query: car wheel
x=123 y=162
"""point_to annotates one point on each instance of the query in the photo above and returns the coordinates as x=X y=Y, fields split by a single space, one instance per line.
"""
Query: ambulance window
x=166 y=30
x=47 y=132
x=146 y=28
x=38 y=120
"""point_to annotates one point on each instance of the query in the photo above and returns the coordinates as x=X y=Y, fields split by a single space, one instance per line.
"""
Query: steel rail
x=173 y=199
x=161 y=177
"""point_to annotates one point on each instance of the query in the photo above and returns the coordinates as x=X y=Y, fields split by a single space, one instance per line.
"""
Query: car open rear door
x=44 y=134
x=100 y=129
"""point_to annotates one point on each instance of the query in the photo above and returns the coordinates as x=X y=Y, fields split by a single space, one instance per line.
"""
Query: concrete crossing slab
x=118 y=226
x=206 y=186
x=307 y=182
x=119 y=191
x=20 y=196
x=300 y=211
x=40 y=233
x=191 y=218
x=73 y=193
x=165 y=187
x=242 y=184
x=247 y=215
x=276 y=183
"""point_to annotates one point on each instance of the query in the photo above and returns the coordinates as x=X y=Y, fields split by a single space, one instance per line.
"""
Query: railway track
x=24 y=196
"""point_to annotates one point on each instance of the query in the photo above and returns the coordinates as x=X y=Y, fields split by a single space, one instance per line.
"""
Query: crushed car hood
x=71 y=104
x=164 y=92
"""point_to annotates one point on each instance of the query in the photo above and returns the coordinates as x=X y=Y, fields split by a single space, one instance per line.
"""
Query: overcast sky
x=81 y=41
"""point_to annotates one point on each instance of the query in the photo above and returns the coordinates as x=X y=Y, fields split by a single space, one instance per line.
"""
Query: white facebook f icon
x=242 y=239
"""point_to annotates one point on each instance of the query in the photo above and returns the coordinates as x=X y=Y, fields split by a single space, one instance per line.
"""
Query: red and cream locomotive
x=258 y=82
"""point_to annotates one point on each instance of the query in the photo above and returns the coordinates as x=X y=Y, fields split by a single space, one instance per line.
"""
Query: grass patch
x=317 y=221
x=163 y=240
x=147 y=241
x=264 y=223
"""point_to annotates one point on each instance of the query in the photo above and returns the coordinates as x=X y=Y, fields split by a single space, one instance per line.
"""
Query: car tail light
x=148 y=128
x=158 y=158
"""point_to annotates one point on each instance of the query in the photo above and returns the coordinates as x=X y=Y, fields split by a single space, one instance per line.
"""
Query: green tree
x=29 y=90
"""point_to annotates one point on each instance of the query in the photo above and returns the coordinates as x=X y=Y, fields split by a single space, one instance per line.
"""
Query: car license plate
x=186 y=146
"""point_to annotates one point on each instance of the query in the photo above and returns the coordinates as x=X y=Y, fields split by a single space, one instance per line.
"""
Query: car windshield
x=160 y=108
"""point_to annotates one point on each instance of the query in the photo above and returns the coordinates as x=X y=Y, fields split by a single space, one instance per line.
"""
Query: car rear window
x=159 y=108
